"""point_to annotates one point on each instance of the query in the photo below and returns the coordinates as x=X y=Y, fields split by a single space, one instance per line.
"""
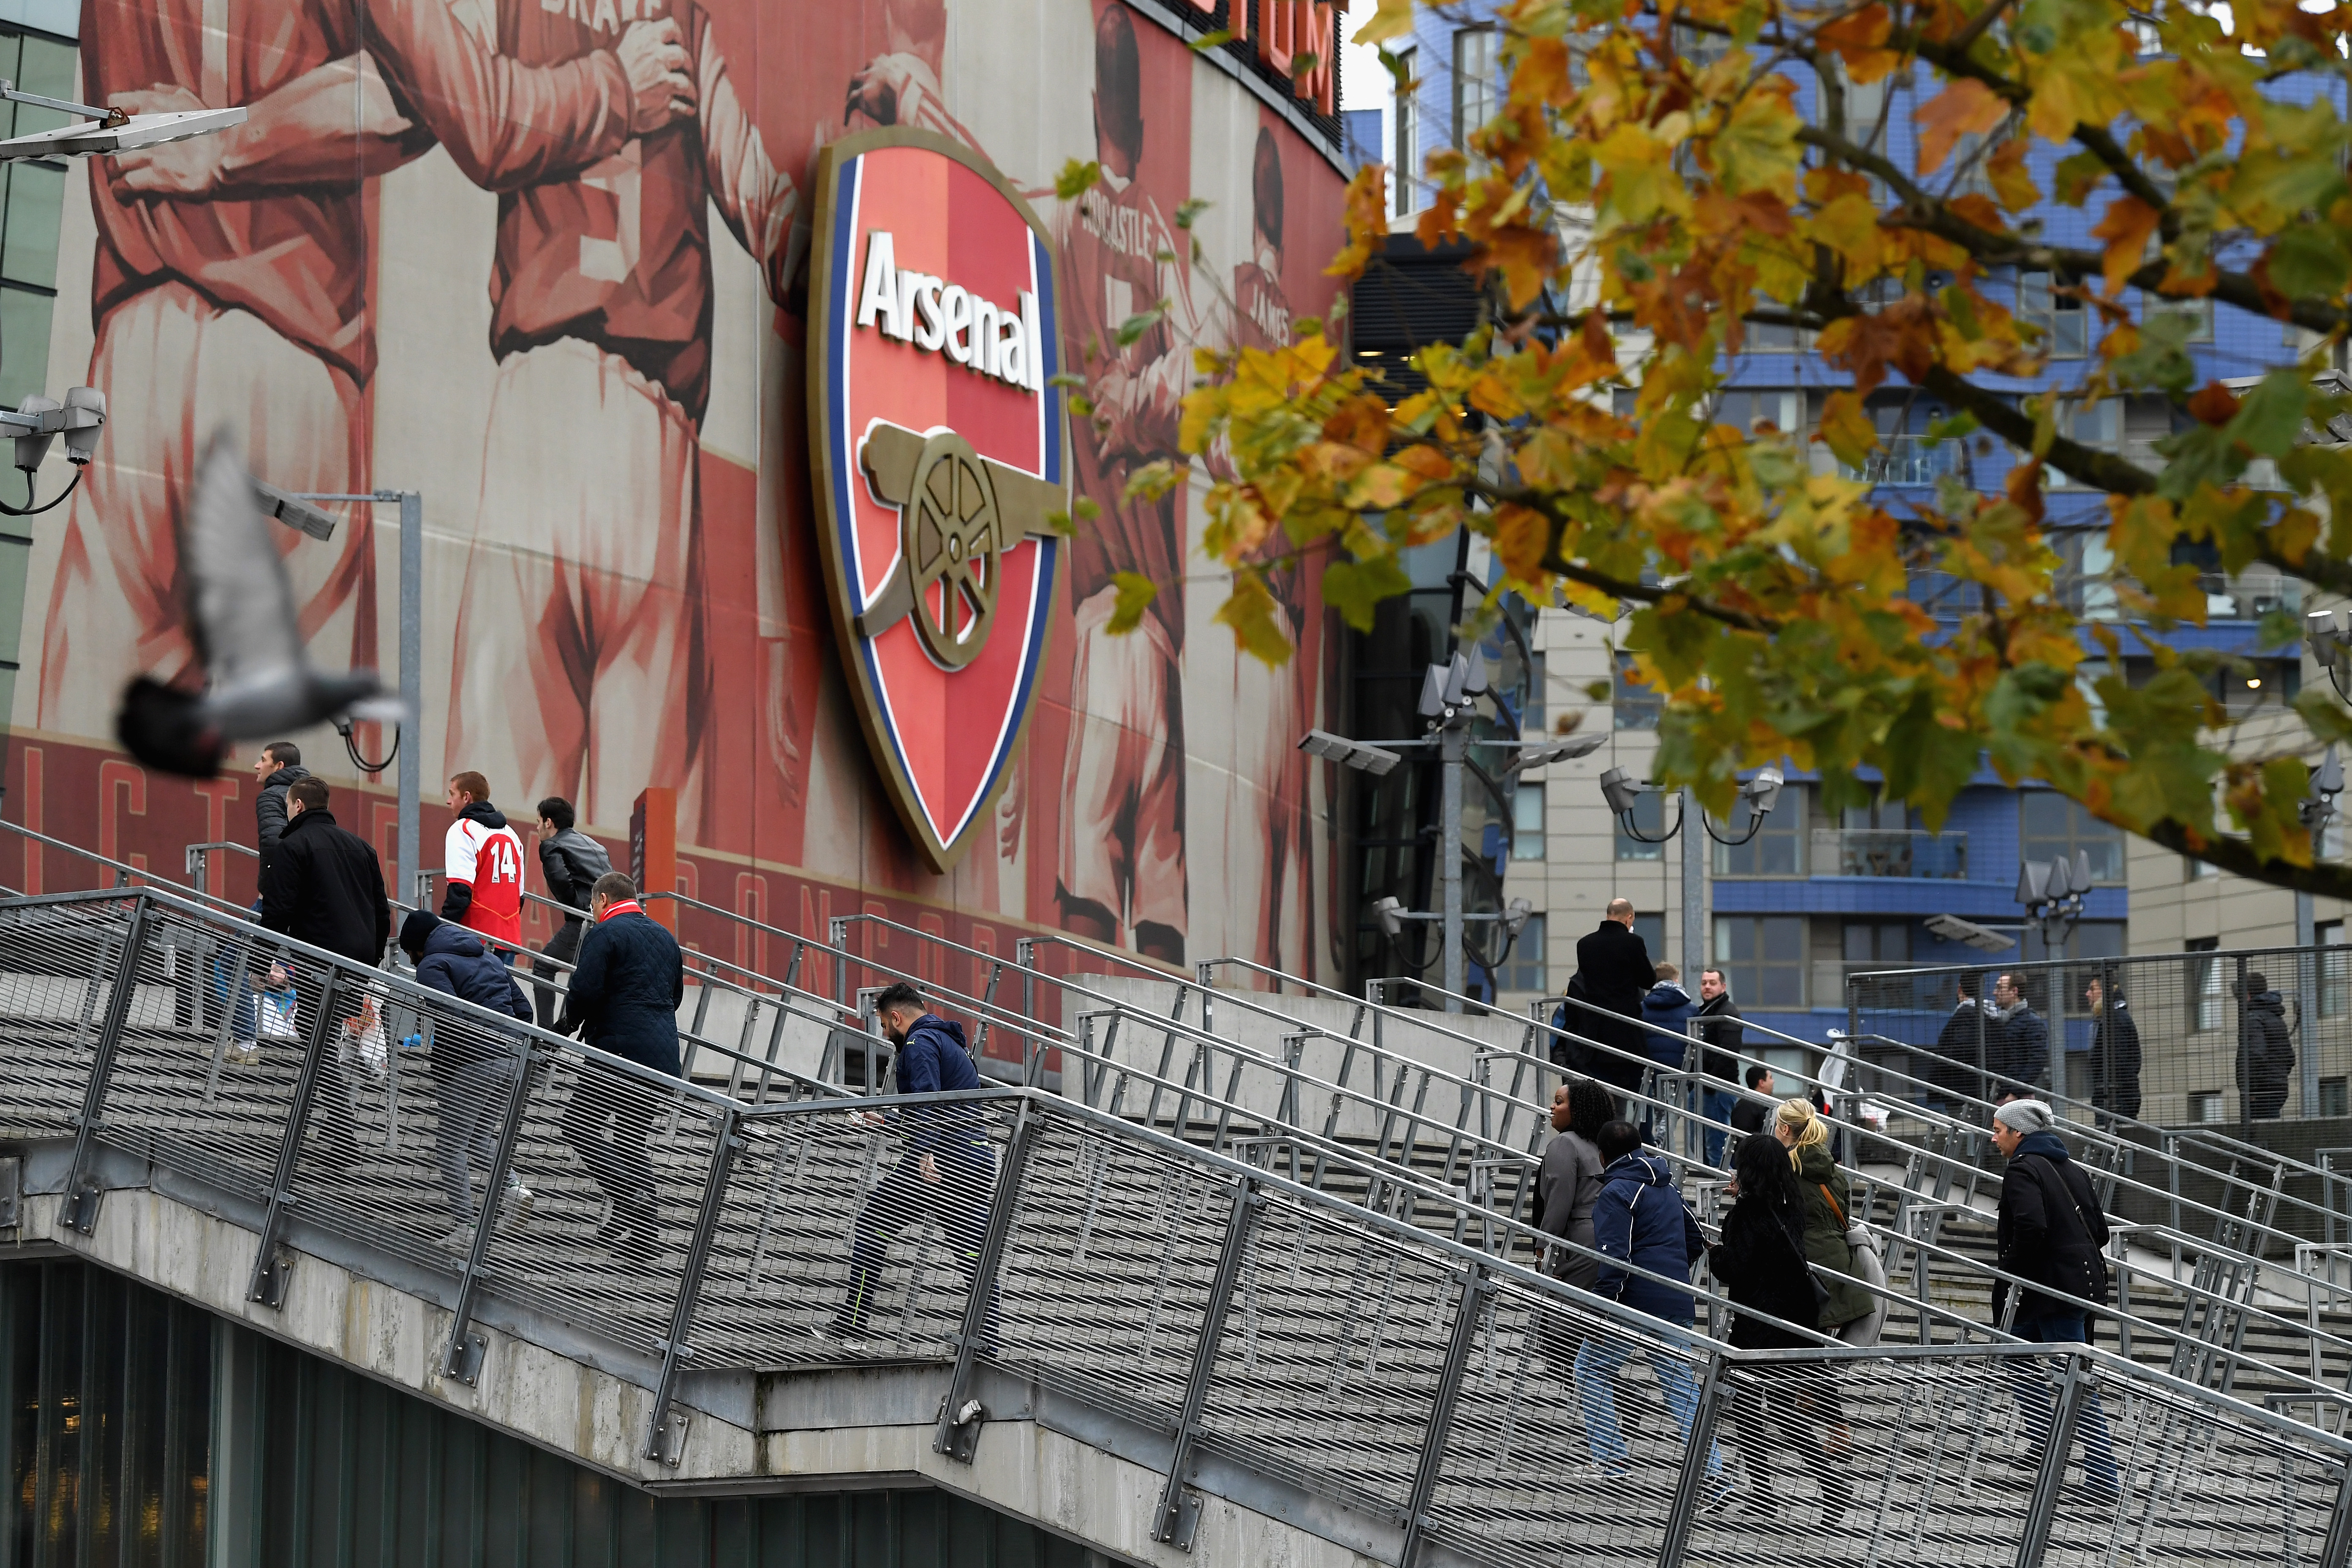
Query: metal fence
x=1468 y=1406
x=2209 y=1027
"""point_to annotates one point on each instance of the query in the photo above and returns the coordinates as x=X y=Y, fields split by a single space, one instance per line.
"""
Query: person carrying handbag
x=2049 y=1232
x=1828 y=1203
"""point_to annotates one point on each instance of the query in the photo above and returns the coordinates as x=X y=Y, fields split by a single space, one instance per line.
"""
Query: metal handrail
x=1413 y=1425
x=2214 y=1300
x=124 y=872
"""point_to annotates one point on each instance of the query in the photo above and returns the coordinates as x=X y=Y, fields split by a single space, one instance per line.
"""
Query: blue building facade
x=1818 y=898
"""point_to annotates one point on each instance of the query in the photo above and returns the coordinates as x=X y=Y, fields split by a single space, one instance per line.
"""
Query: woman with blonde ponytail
x=1829 y=1210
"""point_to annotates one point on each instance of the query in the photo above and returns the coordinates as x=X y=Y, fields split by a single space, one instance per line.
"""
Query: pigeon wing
x=241 y=598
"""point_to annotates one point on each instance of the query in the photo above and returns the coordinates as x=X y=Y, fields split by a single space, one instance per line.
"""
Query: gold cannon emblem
x=958 y=513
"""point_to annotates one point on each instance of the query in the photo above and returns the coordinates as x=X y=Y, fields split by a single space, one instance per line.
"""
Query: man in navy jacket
x=948 y=1168
x=625 y=996
x=475 y=1065
x=1640 y=1220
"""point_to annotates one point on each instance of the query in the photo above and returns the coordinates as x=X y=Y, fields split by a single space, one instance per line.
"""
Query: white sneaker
x=519 y=1197
x=244 y=1053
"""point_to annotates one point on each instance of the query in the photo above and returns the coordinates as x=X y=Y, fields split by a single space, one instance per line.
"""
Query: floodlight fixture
x=1377 y=760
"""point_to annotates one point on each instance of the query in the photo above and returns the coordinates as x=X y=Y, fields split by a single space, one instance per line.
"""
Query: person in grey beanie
x=2049 y=1232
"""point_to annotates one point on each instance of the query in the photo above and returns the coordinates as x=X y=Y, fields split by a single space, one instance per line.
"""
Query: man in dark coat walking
x=623 y=999
x=325 y=886
x=948 y=1169
x=2265 y=1048
x=475 y=1066
x=275 y=770
x=570 y=862
x=2020 y=1051
x=1615 y=964
x=2114 y=1048
x=2049 y=1231
x=1639 y=1222
x=1726 y=1037
x=1965 y=1046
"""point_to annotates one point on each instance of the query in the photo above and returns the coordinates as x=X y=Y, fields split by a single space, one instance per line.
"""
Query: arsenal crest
x=940 y=454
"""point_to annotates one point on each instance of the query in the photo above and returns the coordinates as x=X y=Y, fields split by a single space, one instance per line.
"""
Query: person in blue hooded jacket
x=948 y=1169
x=1640 y=1220
x=474 y=1068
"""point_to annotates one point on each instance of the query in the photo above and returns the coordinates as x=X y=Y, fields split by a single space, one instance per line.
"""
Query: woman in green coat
x=1829 y=1210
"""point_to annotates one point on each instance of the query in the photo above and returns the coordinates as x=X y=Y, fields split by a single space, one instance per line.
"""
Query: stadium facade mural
x=548 y=262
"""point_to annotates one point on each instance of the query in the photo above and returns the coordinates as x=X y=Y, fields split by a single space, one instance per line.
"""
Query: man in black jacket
x=1615 y=965
x=623 y=999
x=2049 y=1231
x=1719 y=1026
x=274 y=771
x=1965 y=1046
x=2265 y=1048
x=570 y=862
x=2020 y=1051
x=2114 y=1048
x=325 y=886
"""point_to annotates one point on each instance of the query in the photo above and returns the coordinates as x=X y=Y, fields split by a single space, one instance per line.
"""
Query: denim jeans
x=1718 y=1108
x=2033 y=1392
x=1597 y=1364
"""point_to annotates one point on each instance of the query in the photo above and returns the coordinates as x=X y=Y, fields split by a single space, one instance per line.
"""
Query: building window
x=1524 y=970
x=2205 y=1106
x=2050 y=827
x=2060 y=316
x=2207 y=988
x=1778 y=847
x=1652 y=928
x=1637 y=706
x=1477 y=62
x=30 y=214
x=1649 y=815
x=1750 y=411
x=2335 y=1097
x=2334 y=969
x=1406 y=154
x=1762 y=958
x=1531 y=712
x=1877 y=944
x=1527 y=823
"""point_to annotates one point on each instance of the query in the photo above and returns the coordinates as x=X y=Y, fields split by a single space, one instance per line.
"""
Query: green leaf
x=1953 y=427
x=1135 y=326
x=1355 y=588
x=1135 y=592
x=1399 y=69
x=1077 y=179
x=1059 y=521
x=1393 y=19
x=2328 y=720
x=2308 y=261
x=1257 y=621
x=1208 y=41
x=1303 y=64
x=2270 y=417
x=1189 y=209
x=2078 y=176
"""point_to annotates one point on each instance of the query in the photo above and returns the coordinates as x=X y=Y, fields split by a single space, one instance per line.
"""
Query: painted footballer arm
x=757 y=201
x=901 y=89
x=325 y=126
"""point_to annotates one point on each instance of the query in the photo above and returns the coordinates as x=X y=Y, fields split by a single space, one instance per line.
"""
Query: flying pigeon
x=257 y=681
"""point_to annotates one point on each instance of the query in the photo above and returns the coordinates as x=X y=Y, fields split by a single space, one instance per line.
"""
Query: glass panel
x=23 y=345
x=1649 y=815
x=1527 y=823
x=1525 y=971
x=37 y=194
x=47 y=68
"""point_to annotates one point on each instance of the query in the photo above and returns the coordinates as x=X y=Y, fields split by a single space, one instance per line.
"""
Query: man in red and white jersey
x=587 y=667
x=481 y=863
x=1122 y=866
x=232 y=273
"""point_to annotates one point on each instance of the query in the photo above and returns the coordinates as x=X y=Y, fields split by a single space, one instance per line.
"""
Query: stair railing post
x=1180 y=1507
x=2049 y=1481
x=461 y=1357
x=2339 y=1547
x=268 y=1285
x=80 y=1208
x=665 y=1439
x=1696 y=1452
x=959 y=1431
x=1469 y=1310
